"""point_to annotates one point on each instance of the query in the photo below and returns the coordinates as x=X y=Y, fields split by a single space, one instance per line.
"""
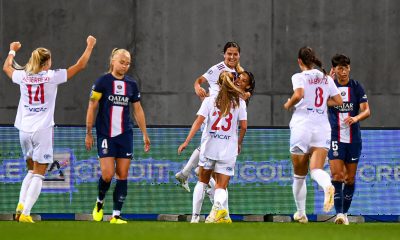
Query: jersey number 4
x=228 y=120
x=36 y=93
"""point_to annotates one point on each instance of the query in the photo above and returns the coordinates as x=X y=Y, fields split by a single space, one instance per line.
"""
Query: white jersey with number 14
x=38 y=97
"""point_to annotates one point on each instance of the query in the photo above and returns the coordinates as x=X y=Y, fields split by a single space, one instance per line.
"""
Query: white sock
x=321 y=177
x=211 y=190
x=116 y=213
x=299 y=188
x=192 y=162
x=198 y=197
x=33 y=193
x=24 y=187
x=225 y=204
x=220 y=196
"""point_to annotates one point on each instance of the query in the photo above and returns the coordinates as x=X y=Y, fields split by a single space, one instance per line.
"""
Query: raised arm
x=83 y=60
x=7 y=67
x=141 y=122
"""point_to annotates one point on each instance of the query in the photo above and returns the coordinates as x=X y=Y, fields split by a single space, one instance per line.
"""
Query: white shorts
x=37 y=145
x=226 y=167
x=303 y=137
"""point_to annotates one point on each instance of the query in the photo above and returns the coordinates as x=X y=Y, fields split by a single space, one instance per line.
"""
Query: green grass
x=74 y=230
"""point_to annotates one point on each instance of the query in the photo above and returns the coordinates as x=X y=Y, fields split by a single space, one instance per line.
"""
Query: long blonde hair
x=114 y=52
x=38 y=60
x=229 y=95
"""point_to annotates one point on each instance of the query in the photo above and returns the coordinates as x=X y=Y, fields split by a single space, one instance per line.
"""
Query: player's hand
x=146 y=141
x=245 y=95
x=200 y=92
x=182 y=147
x=332 y=73
x=89 y=143
x=286 y=105
x=350 y=120
x=15 y=46
x=91 y=41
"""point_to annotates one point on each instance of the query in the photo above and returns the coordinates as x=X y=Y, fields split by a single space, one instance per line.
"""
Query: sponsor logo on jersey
x=35 y=109
x=119 y=100
x=220 y=136
x=345 y=107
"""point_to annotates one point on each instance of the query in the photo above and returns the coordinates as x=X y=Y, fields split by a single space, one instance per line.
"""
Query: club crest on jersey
x=343 y=93
x=104 y=151
x=335 y=153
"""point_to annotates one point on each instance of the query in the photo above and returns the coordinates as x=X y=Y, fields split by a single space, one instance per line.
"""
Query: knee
x=107 y=176
x=338 y=177
x=350 y=180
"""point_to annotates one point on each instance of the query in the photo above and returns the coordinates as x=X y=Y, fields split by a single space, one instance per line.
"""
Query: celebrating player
x=230 y=64
x=35 y=116
x=346 y=141
x=113 y=93
x=310 y=131
x=221 y=144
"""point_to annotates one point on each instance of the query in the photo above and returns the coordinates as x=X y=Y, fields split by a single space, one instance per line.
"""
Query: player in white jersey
x=230 y=64
x=35 y=116
x=310 y=129
x=221 y=144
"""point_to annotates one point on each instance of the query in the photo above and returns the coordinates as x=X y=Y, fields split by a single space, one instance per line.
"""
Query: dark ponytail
x=308 y=57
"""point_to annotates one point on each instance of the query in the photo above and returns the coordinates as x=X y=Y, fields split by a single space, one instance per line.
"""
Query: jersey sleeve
x=17 y=76
x=135 y=97
x=97 y=89
x=211 y=75
x=60 y=76
x=205 y=107
x=362 y=96
x=333 y=89
x=242 y=110
x=297 y=81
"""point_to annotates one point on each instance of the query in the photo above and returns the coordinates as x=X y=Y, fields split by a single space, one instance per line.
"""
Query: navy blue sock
x=348 y=192
x=120 y=192
x=338 y=197
x=103 y=188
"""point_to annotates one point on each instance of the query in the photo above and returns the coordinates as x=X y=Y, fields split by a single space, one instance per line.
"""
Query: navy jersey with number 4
x=353 y=95
x=114 y=116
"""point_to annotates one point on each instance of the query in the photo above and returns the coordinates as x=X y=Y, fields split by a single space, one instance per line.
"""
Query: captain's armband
x=95 y=96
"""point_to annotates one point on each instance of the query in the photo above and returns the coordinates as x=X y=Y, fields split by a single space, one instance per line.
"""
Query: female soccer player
x=230 y=64
x=221 y=143
x=346 y=143
x=112 y=93
x=35 y=116
x=310 y=132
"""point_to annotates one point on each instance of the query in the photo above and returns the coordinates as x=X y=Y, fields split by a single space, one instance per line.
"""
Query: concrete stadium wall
x=175 y=41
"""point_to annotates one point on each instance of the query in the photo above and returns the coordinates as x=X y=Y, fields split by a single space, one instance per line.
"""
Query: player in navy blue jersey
x=114 y=93
x=346 y=143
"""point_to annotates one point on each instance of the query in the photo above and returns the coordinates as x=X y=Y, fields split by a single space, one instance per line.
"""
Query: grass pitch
x=74 y=230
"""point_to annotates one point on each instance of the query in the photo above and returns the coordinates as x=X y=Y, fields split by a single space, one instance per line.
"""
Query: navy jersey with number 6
x=353 y=95
x=114 y=116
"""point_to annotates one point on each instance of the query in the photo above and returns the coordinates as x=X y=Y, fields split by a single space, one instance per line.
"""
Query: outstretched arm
x=7 y=67
x=83 y=60
x=195 y=127
x=141 y=122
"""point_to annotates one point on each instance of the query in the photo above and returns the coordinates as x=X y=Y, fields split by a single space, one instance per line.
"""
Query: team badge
x=105 y=150
x=343 y=93
x=335 y=153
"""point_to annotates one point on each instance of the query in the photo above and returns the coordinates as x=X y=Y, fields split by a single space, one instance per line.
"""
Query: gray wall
x=175 y=41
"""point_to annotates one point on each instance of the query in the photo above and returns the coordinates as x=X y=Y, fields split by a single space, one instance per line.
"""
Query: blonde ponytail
x=38 y=60
x=229 y=94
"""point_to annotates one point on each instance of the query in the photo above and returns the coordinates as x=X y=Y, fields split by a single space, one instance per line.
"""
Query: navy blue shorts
x=120 y=146
x=348 y=152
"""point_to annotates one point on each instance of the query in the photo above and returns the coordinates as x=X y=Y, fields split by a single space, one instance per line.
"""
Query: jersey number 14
x=36 y=93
